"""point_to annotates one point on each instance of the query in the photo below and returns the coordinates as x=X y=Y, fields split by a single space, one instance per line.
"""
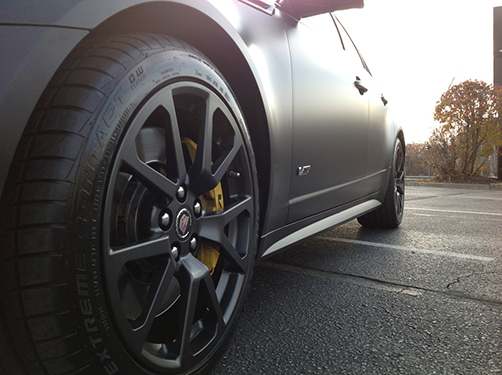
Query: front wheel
x=142 y=233
x=390 y=213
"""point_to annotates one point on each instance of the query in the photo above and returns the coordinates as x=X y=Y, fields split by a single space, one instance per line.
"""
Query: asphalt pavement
x=425 y=298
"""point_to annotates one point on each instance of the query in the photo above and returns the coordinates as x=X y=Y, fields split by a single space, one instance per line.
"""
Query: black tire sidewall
x=92 y=314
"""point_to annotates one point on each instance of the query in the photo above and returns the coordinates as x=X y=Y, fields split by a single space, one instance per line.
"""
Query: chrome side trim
x=322 y=225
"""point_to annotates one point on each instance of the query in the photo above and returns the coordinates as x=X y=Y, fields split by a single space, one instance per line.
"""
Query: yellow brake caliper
x=212 y=201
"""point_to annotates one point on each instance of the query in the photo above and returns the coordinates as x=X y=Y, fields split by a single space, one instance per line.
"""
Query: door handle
x=385 y=101
x=360 y=86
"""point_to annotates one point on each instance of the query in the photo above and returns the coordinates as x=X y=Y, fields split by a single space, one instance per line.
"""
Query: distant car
x=153 y=151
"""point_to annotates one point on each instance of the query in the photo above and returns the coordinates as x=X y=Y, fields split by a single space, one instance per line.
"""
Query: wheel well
x=202 y=32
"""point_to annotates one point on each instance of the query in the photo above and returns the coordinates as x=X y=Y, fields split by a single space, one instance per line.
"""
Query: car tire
x=390 y=213
x=130 y=215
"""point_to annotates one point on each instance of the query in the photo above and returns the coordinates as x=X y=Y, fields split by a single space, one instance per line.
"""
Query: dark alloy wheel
x=176 y=228
x=146 y=254
x=390 y=213
x=399 y=175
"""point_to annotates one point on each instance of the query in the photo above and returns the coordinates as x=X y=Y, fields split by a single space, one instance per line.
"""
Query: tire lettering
x=136 y=74
x=95 y=341
x=111 y=368
x=93 y=323
x=94 y=230
x=80 y=263
x=89 y=326
x=82 y=285
x=103 y=319
x=103 y=355
x=137 y=77
x=101 y=137
x=81 y=223
x=95 y=282
x=85 y=306
x=109 y=114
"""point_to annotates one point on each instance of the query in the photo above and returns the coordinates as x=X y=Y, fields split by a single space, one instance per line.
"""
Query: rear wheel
x=390 y=213
x=145 y=252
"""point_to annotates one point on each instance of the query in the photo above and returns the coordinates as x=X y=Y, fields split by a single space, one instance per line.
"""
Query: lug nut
x=165 y=220
x=175 y=252
x=193 y=244
x=181 y=193
x=197 y=209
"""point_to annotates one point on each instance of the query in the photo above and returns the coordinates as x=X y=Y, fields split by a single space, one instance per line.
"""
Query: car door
x=331 y=119
x=381 y=135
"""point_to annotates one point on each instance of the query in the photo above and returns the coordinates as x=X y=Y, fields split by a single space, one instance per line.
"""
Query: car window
x=348 y=45
x=324 y=24
x=265 y=5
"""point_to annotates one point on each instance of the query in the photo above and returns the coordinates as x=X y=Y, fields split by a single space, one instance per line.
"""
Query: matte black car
x=153 y=151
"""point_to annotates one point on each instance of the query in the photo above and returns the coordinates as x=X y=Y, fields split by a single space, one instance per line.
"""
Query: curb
x=494 y=186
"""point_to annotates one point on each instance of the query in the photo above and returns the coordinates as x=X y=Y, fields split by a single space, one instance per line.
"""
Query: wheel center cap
x=183 y=224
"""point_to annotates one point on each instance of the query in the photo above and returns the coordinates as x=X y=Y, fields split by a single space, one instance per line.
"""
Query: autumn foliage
x=470 y=115
x=417 y=163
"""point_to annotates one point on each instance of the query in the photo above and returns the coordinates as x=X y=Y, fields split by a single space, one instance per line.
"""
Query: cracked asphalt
x=425 y=298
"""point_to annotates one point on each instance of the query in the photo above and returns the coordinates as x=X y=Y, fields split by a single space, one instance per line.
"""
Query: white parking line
x=405 y=248
x=454 y=212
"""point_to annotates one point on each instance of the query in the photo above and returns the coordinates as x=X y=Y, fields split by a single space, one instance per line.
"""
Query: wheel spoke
x=399 y=176
x=161 y=280
x=399 y=161
x=195 y=276
x=118 y=258
x=400 y=182
x=401 y=203
x=223 y=163
x=159 y=286
x=206 y=174
x=148 y=176
x=195 y=271
x=162 y=107
x=174 y=146
x=211 y=229
x=200 y=172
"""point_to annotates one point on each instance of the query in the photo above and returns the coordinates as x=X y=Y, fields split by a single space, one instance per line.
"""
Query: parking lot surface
x=425 y=298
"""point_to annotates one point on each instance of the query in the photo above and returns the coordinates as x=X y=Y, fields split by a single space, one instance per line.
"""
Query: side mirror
x=306 y=8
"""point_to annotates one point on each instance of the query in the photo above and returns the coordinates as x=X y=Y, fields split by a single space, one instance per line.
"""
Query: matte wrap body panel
x=330 y=120
x=294 y=84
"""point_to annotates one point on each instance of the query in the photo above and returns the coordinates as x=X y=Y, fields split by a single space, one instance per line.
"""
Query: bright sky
x=416 y=48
